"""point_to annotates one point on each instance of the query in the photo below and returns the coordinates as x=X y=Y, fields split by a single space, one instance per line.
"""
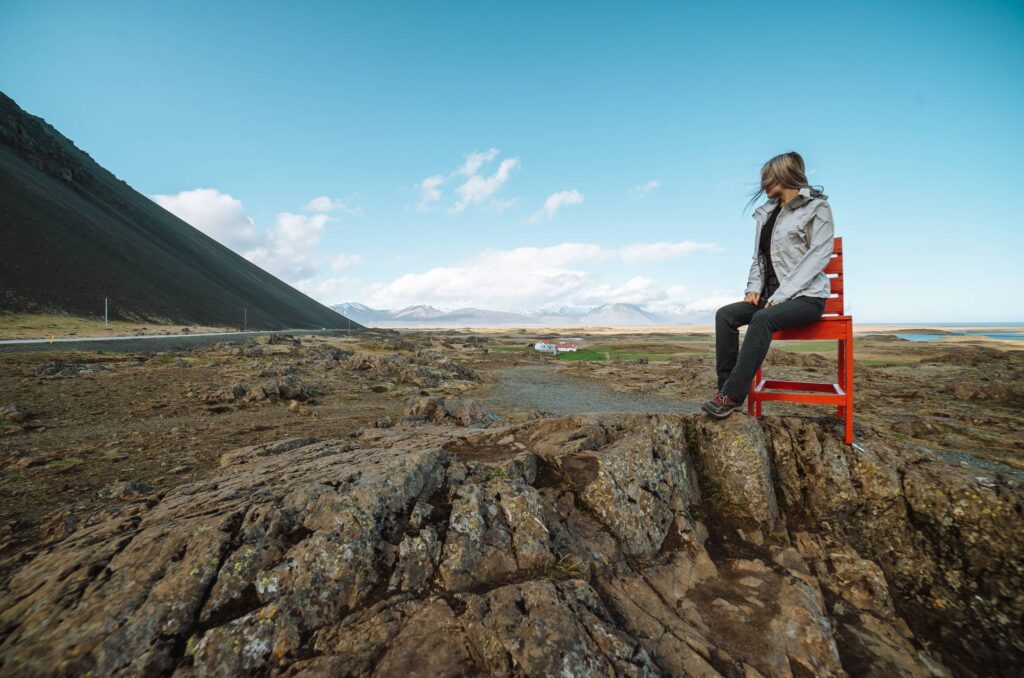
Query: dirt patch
x=72 y=423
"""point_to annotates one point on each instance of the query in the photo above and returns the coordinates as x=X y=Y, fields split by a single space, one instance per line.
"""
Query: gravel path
x=546 y=389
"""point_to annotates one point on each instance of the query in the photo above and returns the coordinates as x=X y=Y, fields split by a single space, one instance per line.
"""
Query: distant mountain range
x=73 y=233
x=420 y=315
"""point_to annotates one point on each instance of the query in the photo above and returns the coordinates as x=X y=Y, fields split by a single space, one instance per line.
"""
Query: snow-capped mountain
x=564 y=315
x=479 y=316
x=620 y=314
x=419 y=311
x=356 y=310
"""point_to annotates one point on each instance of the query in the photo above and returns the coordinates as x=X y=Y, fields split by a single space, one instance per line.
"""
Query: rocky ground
x=398 y=503
x=950 y=398
x=613 y=544
x=75 y=426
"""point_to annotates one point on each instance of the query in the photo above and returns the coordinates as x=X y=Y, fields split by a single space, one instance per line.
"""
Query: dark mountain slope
x=72 y=233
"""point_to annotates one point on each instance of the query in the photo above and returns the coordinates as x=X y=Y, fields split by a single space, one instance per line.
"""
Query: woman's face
x=774 y=190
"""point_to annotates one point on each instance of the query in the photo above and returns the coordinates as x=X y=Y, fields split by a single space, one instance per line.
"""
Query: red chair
x=832 y=325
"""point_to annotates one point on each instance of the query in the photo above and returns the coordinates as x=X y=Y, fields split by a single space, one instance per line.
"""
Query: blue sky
x=641 y=126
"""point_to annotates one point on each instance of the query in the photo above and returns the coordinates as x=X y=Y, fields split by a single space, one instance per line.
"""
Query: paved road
x=152 y=342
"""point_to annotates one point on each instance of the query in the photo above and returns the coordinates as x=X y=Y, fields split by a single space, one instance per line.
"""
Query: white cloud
x=297 y=230
x=675 y=291
x=320 y=204
x=564 y=254
x=476 y=189
x=670 y=299
x=331 y=290
x=474 y=161
x=643 y=190
x=636 y=290
x=430 y=191
x=499 y=206
x=474 y=285
x=294 y=253
x=555 y=202
x=708 y=305
x=662 y=251
x=291 y=248
x=495 y=279
x=525 y=277
x=216 y=214
x=325 y=204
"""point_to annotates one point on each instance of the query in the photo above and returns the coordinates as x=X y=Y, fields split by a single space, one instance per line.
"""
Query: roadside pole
x=106 y=321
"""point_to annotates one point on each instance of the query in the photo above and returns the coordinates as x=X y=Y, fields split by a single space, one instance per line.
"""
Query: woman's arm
x=814 y=260
x=754 y=278
x=754 y=282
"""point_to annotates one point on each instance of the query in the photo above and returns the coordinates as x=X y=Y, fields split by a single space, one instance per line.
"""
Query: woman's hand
x=752 y=298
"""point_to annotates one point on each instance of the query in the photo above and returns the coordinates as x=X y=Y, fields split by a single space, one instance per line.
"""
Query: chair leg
x=849 y=386
x=752 y=395
x=753 y=403
x=841 y=361
x=757 y=404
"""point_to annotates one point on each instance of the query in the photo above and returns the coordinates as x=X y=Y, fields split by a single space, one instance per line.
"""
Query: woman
x=787 y=285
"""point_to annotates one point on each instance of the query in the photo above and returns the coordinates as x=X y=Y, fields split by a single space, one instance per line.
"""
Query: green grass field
x=603 y=353
x=667 y=347
x=584 y=354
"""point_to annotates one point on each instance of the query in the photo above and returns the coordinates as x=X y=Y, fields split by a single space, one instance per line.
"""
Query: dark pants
x=735 y=374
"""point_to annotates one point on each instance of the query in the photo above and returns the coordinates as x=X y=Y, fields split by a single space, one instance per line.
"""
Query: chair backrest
x=834 y=271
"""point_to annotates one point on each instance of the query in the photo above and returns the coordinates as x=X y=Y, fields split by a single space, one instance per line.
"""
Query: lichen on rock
x=612 y=544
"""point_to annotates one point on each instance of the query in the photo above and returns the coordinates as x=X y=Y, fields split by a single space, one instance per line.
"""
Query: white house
x=555 y=346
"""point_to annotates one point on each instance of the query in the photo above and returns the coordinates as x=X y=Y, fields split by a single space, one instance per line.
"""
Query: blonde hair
x=785 y=169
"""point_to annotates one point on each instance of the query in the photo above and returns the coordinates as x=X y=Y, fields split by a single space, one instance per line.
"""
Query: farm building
x=555 y=346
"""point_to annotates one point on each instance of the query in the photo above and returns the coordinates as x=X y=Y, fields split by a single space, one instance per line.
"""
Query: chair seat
x=826 y=327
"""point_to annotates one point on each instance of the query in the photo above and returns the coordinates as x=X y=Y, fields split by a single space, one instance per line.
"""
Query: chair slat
x=822 y=329
x=835 y=265
x=834 y=306
x=837 y=245
x=836 y=284
x=814 y=386
x=809 y=398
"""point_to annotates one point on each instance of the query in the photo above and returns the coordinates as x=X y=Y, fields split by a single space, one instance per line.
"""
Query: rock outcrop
x=426 y=368
x=611 y=544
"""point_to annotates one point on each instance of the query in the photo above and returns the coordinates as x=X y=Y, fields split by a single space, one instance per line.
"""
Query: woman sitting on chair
x=787 y=285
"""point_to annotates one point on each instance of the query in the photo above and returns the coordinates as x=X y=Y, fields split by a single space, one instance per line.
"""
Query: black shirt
x=771 y=280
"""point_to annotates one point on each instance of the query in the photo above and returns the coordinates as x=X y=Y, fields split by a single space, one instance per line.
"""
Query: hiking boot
x=721 y=406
